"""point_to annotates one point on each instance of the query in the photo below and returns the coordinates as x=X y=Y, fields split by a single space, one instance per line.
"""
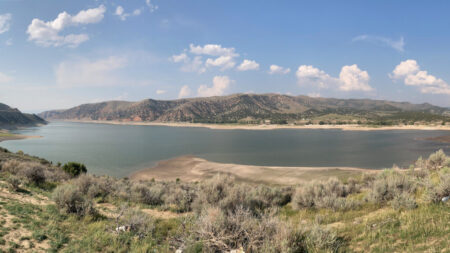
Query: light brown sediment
x=190 y=168
x=268 y=127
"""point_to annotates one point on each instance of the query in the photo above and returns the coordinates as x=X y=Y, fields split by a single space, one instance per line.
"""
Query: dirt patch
x=16 y=234
x=29 y=198
x=110 y=211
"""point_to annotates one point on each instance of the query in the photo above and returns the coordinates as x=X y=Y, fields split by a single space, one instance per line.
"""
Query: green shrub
x=180 y=198
x=222 y=191
x=11 y=166
x=322 y=194
x=150 y=195
x=14 y=182
x=319 y=238
x=221 y=231
x=435 y=193
x=74 y=168
x=69 y=199
x=212 y=190
x=389 y=184
x=33 y=172
x=138 y=222
x=403 y=201
x=436 y=160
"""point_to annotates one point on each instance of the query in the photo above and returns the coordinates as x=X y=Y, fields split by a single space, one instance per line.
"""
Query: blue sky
x=58 y=54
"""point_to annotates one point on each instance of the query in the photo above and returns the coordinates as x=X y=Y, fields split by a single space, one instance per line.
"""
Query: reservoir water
x=118 y=150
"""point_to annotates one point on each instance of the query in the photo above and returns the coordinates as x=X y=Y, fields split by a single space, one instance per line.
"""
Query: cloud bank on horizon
x=84 y=51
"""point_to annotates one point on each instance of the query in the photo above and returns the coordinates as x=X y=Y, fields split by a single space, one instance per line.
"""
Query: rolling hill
x=13 y=118
x=252 y=108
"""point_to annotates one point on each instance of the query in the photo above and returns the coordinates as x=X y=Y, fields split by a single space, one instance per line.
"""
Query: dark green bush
x=74 y=168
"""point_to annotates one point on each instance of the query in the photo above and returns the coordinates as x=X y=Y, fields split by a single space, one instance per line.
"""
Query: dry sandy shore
x=190 y=168
x=267 y=127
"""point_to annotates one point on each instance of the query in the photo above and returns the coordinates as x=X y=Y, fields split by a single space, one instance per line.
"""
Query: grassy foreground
x=45 y=209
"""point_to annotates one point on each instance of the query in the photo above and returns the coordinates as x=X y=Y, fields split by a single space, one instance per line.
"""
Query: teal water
x=118 y=150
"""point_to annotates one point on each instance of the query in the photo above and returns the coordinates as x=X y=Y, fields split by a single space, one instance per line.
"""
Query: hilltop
x=11 y=118
x=257 y=109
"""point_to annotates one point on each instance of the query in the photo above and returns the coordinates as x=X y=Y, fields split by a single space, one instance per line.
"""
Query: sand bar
x=7 y=136
x=191 y=168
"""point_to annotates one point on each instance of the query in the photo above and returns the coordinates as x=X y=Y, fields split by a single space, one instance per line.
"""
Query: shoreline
x=7 y=136
x=191 y=169
x=265 y=127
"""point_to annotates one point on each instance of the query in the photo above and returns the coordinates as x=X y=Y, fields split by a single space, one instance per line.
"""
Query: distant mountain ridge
x=13 y=118
x=244 y=107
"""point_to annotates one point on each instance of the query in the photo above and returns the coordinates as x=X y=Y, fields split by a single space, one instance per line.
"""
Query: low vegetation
x=55 y=209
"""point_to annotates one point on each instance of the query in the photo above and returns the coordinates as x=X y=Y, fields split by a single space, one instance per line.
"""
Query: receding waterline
x=118 y=150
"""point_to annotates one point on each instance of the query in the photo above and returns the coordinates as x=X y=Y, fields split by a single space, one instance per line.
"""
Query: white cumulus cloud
x=159 y=92
x=194 y=64
x=275 y=69
x=248 y=65
x=220 y=85
x=225 y=56
x=395 y=44
x=179 y=58
x=120 y=12
x=307 y=74
x=213 y=50
x=193 y=58
x=224 y=62
x=409 y=72
x=185 y=91
x=351 y=78
x=48 y=33
x=5 y=20
x=89 y=72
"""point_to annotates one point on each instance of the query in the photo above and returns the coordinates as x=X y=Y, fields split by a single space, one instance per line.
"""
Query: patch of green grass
x=421 y=229
x=6 y=134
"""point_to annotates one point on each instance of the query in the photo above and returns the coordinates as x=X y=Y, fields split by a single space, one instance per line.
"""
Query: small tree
x=74 y=168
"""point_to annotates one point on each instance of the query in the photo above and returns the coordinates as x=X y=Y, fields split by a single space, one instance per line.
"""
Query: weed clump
x=14 y=182
x=390 y=184
x=324 y=194
x=436 y=192
x=403 y=201
x=33 y=173
x=69 y=199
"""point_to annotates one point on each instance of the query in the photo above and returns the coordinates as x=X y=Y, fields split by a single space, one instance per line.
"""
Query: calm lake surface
x=118 y=150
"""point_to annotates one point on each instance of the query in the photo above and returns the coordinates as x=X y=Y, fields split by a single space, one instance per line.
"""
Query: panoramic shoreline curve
x=265 y=127
x=191 y=169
